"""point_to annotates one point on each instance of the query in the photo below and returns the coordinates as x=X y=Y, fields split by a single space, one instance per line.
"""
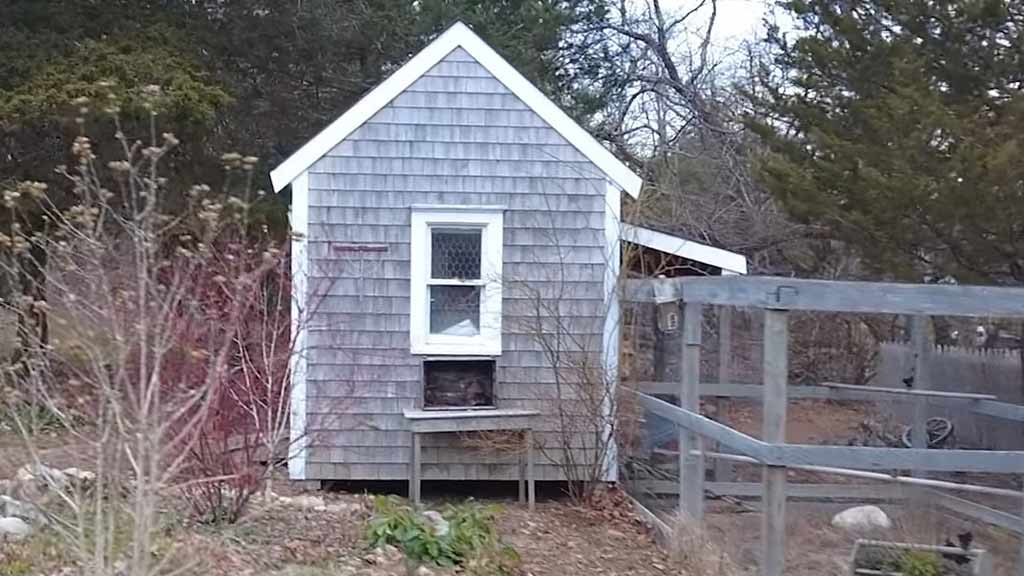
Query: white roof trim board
x=729 y=262
x=459 y=35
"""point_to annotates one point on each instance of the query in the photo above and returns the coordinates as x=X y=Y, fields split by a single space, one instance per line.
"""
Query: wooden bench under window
x=438 y=421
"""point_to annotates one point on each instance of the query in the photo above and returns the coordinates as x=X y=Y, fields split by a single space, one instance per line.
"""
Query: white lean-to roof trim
x=729 y=262
x=457 y=36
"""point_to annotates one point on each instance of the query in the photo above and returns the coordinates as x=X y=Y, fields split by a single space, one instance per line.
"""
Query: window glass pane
x=455 y=310
x=455 y=253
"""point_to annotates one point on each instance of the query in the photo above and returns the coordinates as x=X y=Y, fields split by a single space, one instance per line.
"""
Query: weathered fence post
x=776 y=372
x=723 y=467
x=921 y=347
x=1020 y=558
x=691 y=467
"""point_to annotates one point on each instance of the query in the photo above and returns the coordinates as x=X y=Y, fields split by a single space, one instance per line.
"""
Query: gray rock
x=14 y=529
x=438 y=524
x=11 y=507
x=386 y=556
x=80 y=479
x=861 y=518
x=337 y=508
x=303 y=501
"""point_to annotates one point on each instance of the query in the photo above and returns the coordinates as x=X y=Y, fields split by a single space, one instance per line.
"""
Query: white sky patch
x=738 y=21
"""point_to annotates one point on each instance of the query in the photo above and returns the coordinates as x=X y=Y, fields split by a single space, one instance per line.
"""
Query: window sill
x=476 y=349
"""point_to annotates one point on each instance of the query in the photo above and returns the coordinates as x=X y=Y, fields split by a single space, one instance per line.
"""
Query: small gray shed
x=437 y=223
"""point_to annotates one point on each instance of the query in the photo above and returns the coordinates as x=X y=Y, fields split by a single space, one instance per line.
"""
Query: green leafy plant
x=471 y=540
x=915 y=563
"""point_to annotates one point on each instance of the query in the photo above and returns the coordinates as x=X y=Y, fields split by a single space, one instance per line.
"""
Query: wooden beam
x=662 y=532
x=908 y=392
x=853 y=457
x=706 y=427
x=870 y=458
x=724 y=470
x=976 y=511
x=835 y=391
x=1000 y=410
x=773 y=499
x=753 y=490
x=1020 y=554
x=920 y=347
x=834 y=296
x=691 y=479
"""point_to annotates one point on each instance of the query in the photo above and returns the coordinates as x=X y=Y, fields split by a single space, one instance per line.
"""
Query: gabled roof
x=458 y=35
x=729 y=262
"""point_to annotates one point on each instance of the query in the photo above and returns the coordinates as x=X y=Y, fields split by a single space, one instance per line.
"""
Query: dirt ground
x=807 y=421
x=815 y=548
x=562 y=540
x=557 y=539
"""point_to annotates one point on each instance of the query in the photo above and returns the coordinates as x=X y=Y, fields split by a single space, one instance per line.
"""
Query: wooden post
x=773 y=497
x=921 y=347
x=1020 y=557
x=415 y=472
x=691 y=467
x=723 y=467
x=522 y=474
x=531 y=490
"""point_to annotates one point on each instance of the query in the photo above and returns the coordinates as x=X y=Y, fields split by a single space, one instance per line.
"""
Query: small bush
x=471 y=540
x=915 y=563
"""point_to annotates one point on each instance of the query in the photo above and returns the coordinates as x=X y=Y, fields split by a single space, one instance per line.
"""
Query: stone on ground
x=11 y=507
x=861 y=518
x=81 y=479
x=14 y=529
x=303 y=501
x=438 y=525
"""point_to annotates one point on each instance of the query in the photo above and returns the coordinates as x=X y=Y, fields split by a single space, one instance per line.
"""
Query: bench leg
x=415 y=469
x=521 y=462
x=531 y=488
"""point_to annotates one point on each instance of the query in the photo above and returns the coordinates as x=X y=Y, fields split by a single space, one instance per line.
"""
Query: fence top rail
x=832 y=296
x=908 y=392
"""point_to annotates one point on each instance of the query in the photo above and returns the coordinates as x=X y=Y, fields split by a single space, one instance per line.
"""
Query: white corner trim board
x=299 y=216
x=731 y=263
x=610 y=336
x=458 y=35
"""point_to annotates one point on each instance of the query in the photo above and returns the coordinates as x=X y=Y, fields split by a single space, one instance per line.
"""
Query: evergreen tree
x=898 y=127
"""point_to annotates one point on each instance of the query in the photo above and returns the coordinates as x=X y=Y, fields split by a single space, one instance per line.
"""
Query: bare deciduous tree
x=153 y=305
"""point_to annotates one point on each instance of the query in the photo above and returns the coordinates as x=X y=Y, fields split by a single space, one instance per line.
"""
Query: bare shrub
x=156 y=285
x=696 y=553
x=582 y=404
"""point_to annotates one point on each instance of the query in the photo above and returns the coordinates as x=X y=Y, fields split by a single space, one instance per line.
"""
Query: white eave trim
x=729 y=262
x=458 y=35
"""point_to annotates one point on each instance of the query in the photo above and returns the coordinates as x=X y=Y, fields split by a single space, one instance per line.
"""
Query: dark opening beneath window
x=458 y=383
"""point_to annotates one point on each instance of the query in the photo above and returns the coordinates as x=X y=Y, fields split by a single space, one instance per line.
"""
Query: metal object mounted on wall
x=667 y=306
x=668 y=317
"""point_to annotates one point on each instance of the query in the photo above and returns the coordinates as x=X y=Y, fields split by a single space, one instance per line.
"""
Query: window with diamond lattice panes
x=455 y=254
x=456 y=287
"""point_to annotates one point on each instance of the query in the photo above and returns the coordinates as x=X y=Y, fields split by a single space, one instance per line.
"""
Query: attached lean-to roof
x=729 y=262
x=459 y=35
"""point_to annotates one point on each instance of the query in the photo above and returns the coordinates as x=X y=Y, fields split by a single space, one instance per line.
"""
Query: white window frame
x=488 y=219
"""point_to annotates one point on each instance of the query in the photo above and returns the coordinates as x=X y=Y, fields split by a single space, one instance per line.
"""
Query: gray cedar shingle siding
x=456 y=136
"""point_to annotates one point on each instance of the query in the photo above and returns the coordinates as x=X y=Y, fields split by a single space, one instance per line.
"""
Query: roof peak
x=458 y=35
